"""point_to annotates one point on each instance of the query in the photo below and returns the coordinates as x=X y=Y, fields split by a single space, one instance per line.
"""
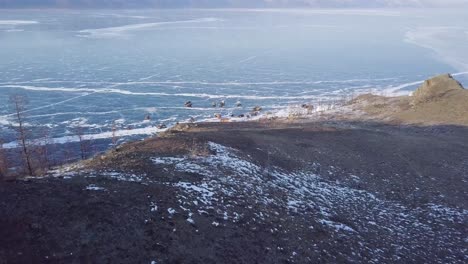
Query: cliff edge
x=440 y=87
x=441 y=100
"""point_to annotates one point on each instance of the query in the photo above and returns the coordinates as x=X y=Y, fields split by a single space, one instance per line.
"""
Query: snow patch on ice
x=111 y=32
x=17 y=22
x=104 y=135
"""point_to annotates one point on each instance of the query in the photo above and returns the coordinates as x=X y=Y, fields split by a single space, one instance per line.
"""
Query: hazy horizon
x=123 y=4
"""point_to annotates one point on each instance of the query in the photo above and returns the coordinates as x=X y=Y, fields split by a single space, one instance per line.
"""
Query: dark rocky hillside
x=328 y=192
x=381 y=180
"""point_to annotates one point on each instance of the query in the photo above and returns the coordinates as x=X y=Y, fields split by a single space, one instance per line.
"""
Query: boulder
x=435 y=88
x=257 y=109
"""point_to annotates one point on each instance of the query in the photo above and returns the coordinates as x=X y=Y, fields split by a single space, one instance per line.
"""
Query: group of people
x=255 y=111
x=221 y=104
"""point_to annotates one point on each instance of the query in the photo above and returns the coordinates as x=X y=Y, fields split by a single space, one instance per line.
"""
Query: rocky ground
x=317 y=190
x=224 y=193
x=441 y=100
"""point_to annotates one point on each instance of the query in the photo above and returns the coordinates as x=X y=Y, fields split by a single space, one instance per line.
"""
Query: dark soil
x=393 y=194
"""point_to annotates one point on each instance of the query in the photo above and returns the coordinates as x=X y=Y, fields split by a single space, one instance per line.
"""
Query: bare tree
x=41 y=151
x=18 y=103
x=3 y=162
x=84 y=144
x=114 y=134
x=67 y=153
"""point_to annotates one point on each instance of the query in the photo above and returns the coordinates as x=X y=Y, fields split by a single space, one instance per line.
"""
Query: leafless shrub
x=67 y=153
x=114 y=134
x=42 y=159
x=18 y=104
x=3 y=162
x=85 y=145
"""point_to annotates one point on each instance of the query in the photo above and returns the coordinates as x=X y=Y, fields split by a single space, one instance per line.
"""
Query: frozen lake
x=98 y=67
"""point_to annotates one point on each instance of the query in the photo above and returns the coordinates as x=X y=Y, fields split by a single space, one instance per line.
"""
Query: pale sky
x=235 y=3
